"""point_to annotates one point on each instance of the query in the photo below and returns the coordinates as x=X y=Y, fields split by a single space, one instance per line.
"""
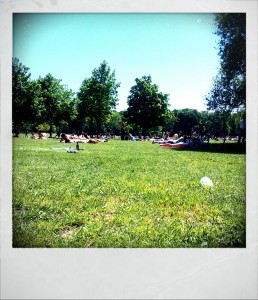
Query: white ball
x=206 y=182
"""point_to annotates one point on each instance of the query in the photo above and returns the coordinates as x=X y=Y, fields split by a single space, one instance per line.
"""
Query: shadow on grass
x=229 y=148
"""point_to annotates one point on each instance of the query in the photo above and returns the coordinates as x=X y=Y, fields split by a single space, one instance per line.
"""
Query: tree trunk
x=16 y=131
x=122 y=134
x=51 y=128
x=144 y=131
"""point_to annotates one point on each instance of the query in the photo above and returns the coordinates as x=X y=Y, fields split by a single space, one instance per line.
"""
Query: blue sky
x=177 y=50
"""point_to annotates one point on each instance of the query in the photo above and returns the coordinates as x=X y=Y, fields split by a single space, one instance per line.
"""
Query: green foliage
x=98 y=96
x=229 y=87
x=63 y=126
x=170 y=121
x=226 y=95
x=218 y=122
x=122 y=194
x=26 y=98
x=231 y=27
x=186 y=120
x=147 y=107
x=114 y=122
x=43 y=127
x=47 y=101
x=58 y=101
x=67 y=107
x=44 y=100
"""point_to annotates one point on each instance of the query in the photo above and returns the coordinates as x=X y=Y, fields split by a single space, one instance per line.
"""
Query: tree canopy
x=47 y=104
x=57 y=100
x=186 y=120
x=26 y=97
x=147 y=107
x=98 y=96
x=229 y=87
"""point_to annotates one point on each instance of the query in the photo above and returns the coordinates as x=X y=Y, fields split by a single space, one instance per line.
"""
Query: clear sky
x=178 y=50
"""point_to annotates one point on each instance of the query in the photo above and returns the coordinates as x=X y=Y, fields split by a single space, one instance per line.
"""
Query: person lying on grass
x=131 y=137
x=42 y=135
x=164 y=140
x=71 y=138
x=177 y=138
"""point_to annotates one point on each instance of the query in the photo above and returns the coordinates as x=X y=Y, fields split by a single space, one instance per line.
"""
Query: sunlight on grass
x=123 y=194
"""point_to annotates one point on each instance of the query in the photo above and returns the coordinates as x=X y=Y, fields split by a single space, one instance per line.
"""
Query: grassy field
x=125 y=194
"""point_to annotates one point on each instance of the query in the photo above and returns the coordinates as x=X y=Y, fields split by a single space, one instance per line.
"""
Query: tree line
x=45 y=104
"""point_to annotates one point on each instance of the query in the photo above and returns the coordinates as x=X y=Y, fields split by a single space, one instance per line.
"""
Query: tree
x=218 y=121
x=187 y=120
x=229 y=87
x=26 y=98
x=66 y=113
x=226 y=96
x=147 y=107
x=57 y=101
x=170 y=121
x=98 y=96
x=114 y=122
x=231 y=27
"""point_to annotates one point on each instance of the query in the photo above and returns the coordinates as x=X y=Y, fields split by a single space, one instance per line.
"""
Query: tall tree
x=229 y=87
x=26 y=98
x=66 y=107
x=57 y=100
x=98 y=96
x=147 y=107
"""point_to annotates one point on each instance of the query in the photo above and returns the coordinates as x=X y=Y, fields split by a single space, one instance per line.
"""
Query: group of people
x=166 y=139
x=177 y=138
x=41 y=136
x=82 y=138
x=139 y=138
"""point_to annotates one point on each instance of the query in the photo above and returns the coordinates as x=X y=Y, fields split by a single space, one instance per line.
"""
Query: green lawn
x=126 y=194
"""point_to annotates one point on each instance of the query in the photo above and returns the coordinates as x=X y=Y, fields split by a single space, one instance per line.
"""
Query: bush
x=43 y=127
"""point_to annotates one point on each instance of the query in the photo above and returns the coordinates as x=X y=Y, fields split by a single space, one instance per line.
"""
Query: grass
x=125 y=194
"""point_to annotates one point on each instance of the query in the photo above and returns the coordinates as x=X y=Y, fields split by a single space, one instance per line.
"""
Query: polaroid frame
x=128 y=273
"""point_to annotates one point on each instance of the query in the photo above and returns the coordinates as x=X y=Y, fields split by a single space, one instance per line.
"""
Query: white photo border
x=128 y=273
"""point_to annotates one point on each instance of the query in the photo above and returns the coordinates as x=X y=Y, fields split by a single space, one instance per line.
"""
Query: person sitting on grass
x=64 y=138
x=167 y=136
x=101 y=138
x=178 y=138
x=131 y=137
x=175 y=137
x=42 y=135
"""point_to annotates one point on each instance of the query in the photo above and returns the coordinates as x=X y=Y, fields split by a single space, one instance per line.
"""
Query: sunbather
x=177 y=138
x=131 y=137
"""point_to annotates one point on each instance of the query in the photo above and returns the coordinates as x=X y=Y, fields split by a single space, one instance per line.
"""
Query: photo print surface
x=129 y=130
